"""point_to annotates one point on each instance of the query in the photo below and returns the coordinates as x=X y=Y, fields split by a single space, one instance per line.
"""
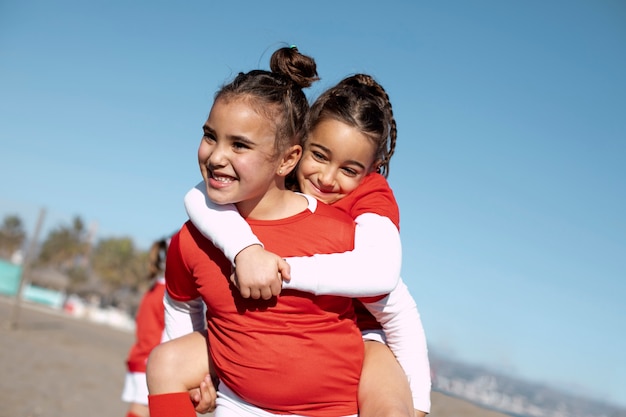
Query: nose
x=326 y=177
x=218 y=155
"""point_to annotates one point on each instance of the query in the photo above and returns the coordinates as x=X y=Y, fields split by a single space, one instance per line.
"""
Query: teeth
x=222 y=179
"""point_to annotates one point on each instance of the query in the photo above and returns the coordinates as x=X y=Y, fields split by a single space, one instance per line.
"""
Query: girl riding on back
x=350 y=139
x=266 y=353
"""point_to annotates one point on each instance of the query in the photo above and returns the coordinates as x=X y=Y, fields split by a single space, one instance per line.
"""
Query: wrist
x=247 y=250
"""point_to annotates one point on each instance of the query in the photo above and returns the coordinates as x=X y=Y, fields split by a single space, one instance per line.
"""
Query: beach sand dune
x=53 y=365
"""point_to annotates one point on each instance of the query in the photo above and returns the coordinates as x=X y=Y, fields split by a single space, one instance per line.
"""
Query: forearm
x=372 y=268
x=401 y=322
x=221 y=224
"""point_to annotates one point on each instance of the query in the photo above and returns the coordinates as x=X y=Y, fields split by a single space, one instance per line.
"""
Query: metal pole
x=26 y=269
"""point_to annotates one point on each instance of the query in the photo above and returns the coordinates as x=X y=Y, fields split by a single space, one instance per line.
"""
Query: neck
x=276 y=205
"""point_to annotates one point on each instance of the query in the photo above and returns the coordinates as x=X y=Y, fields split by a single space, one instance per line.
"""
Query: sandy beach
x=54 y=365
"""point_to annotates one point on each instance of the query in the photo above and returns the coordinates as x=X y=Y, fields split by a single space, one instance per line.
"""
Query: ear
x=290 y=159
x=376 y=166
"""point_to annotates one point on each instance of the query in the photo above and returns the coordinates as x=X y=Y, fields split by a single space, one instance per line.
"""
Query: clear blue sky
x=510 y=170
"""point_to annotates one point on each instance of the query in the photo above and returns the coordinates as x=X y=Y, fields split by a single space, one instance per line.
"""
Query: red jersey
x=149 y=325
x=293 y=354
x=373 y=195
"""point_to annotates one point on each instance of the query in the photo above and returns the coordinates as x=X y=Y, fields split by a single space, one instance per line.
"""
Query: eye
x=237 y=145
x=350 y=172
x=208 y=136
x=318 y=156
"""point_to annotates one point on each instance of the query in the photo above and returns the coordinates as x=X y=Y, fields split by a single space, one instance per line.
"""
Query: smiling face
x=335 y=160
x=237 y=155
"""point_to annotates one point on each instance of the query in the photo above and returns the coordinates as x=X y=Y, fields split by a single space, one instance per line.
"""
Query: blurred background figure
x=149 y=327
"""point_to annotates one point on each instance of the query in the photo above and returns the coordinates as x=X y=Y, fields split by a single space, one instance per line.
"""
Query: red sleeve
x=373 y=195
x=150 y=323
x=178 y=277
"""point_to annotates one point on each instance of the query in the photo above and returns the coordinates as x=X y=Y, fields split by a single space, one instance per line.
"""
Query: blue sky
x=509 y=171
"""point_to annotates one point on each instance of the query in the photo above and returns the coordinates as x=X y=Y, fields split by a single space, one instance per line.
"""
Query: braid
x=361 y=102
x=387 y=149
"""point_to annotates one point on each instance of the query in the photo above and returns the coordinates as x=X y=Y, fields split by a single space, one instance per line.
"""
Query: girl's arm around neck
x=221 y=224
x=372 y=268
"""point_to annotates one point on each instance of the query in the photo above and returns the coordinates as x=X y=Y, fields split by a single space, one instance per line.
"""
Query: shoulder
x=374 y=181
x=157 y=285
x=188 y=237
x=373 y=186
x=189 y=243
x=155 y=294
x=373 y=195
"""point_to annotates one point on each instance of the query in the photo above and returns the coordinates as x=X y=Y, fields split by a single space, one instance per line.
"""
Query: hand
x=259 y=273
x=204 y=397
x=419 y=413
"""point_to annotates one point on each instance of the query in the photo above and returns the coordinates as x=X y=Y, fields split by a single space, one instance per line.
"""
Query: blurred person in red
x=149 y=328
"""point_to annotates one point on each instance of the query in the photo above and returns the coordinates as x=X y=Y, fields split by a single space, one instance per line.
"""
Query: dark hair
x=278 y=93
x=360 y=102
x=156 y=258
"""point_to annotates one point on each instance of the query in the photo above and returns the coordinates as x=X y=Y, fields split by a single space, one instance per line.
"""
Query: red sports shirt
x=294 y=354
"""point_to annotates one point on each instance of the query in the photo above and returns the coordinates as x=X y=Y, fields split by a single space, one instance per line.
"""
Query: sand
x=54 y=365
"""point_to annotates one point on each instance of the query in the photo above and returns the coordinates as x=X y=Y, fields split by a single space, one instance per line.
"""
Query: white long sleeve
x=182 y=318
x=401 y=322
x=370 y=269
x=221 y=224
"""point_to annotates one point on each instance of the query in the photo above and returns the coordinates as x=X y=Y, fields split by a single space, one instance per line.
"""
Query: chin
x=321 y=198
x=218 y=198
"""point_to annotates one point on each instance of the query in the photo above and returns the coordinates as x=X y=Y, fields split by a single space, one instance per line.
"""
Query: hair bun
x=299 y=68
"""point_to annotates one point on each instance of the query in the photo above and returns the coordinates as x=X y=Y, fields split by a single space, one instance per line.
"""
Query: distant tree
x=113 y=266
x=12 y=236
x=65 y=247
x=78 y=277
x=119 y=264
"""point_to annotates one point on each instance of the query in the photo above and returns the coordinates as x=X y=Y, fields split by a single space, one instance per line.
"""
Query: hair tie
x=293 y=46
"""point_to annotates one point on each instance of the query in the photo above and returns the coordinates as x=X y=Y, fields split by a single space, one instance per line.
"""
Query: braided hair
x=361 y=102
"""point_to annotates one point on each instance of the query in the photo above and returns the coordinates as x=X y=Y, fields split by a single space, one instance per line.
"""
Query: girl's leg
x=178 y=365
x=384 y=388
x=174 y=368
